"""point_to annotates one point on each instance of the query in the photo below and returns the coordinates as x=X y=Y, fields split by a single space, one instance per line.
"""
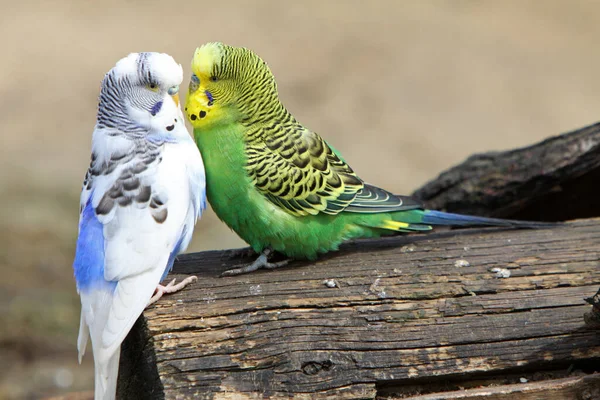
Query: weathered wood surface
x=553 y=180
x=592 y=318
x=575 y=388
x=403 y=311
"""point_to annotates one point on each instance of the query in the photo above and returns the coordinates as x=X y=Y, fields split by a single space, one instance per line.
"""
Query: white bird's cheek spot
x=171 y=127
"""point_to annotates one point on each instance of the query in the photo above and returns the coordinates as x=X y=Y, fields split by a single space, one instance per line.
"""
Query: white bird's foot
x=261 y=262
x=170 y=288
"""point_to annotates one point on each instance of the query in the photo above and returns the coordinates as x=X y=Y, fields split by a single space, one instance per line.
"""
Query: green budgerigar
x=277 y=184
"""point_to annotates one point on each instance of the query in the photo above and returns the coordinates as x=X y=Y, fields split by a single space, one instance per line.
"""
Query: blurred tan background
x=403 y=89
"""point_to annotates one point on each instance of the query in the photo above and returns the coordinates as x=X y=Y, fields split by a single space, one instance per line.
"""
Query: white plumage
x=142 y=195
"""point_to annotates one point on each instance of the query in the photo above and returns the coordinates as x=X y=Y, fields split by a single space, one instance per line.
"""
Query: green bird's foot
x=261 y=262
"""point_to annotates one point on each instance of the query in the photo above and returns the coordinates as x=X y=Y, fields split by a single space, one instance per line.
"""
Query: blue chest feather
x=173 y=254
x=89 y=255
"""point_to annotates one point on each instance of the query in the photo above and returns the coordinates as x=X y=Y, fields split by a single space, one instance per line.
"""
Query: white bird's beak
x=175 y=98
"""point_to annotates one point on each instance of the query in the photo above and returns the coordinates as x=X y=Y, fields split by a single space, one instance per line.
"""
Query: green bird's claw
x=261 y=262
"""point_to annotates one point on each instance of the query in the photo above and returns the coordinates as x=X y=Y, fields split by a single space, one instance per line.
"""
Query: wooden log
x=553 y=180
x=578 y=387
x=378 y=319
x=592 y=318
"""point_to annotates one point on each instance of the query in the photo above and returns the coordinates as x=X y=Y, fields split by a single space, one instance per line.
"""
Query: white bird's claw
x=171 y=287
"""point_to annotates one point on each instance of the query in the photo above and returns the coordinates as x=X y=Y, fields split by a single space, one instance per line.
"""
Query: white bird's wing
x=132 y=220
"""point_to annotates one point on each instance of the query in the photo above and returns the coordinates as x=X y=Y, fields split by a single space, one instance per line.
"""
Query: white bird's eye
x=152 y=86
x=173 y=90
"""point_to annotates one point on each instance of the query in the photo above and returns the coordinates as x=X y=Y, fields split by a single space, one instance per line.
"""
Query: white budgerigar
x=141 y=197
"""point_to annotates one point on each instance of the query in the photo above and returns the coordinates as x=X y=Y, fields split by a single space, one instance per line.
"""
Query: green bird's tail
x=423 y=220
x=406 y=214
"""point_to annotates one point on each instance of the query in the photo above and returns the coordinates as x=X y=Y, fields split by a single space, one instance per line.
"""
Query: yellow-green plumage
x=262 y=223
x=275 y=183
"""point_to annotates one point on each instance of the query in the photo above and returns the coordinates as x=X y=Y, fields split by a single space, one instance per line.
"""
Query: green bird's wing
x=372 y=199
x=298 y=171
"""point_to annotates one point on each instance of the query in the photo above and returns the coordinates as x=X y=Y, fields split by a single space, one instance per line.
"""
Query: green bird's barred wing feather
x=372 y=199
x=298 y=171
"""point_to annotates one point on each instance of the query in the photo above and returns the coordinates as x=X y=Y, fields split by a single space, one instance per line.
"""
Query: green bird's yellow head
x=229 y=85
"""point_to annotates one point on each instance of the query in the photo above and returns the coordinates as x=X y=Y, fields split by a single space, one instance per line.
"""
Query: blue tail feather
x=432 y=217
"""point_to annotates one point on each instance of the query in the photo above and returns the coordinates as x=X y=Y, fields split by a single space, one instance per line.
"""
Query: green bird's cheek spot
x=193 y=117
x=202 y=114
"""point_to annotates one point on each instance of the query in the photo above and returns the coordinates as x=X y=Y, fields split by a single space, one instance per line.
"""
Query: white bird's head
x=140 y=94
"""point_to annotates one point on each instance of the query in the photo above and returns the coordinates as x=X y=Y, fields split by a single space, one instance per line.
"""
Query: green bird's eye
x=213 y=78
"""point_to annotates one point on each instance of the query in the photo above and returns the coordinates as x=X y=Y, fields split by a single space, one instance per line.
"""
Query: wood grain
x=401 y=310
x=579 y=387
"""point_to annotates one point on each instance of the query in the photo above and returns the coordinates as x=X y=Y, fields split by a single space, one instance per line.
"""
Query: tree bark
x=554 y=180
